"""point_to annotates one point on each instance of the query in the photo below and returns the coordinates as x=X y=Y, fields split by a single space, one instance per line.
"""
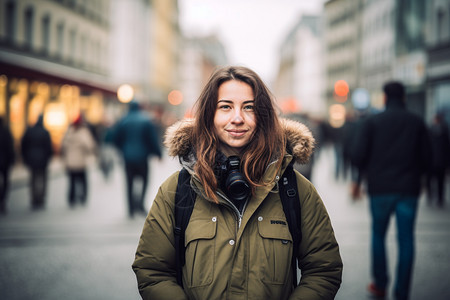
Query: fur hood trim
x=300 y=141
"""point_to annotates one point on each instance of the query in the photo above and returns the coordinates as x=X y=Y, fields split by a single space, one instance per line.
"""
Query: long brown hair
x=267 y=143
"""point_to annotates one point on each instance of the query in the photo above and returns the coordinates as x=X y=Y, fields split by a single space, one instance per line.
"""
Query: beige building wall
x=164 y=48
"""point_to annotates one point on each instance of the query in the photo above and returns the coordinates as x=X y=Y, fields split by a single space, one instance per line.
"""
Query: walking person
x=392 y=150
x=238 y=244
x=77 y=147
x=37 y=151
x=7 y=157
x=137 y=139
x=440 y=145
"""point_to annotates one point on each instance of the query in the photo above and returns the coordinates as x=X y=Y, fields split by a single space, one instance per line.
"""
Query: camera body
x=232 y=182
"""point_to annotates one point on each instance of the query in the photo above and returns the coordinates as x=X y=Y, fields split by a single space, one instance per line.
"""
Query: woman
x=234 y=249
x=77 y=146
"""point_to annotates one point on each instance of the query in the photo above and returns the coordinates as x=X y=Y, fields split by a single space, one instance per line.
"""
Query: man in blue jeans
x=392 y=151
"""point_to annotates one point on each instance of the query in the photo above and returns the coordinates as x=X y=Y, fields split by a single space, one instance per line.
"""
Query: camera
x=232 y=182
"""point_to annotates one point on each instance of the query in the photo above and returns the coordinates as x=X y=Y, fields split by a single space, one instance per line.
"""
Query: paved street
x=86 y=252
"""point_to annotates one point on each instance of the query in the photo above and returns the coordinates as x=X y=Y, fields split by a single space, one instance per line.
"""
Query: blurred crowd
x=82 y=141
x=136 y=137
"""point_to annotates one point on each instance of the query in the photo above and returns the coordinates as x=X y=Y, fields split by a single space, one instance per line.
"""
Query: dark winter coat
x=6 y=148
x=239 y=256
x=440 y=141
x=136 y=137
x=37 y=146
x=392 y=149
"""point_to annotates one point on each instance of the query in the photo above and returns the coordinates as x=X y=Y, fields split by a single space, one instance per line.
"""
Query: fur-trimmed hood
x=300 y=141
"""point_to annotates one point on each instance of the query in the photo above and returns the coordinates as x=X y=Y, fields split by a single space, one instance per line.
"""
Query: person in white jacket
x=77 y=146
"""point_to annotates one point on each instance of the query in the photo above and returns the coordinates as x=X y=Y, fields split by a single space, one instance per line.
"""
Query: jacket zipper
x=235 y=210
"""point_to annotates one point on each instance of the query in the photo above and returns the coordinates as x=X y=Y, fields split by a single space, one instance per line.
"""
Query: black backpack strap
x=184 y=204
x=291 y=205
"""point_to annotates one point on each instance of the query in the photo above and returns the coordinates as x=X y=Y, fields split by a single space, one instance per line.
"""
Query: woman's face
x=234 y=120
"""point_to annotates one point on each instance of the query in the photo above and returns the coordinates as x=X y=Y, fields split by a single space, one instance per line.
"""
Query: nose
x=237 y=118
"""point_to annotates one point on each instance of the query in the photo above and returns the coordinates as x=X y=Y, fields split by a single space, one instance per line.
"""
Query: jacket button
x=214 y=219
x=260 y=218
x=231 y=242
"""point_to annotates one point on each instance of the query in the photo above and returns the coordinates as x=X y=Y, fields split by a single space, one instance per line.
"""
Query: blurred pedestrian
x=7 y=157
x=440 y=145
x=137 y=139
x=106 y=152
x=238 y=244
x=392 y=149
x=37 y=151
x=77 y=147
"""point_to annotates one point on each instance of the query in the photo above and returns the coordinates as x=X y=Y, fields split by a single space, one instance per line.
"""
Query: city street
x=86 y=252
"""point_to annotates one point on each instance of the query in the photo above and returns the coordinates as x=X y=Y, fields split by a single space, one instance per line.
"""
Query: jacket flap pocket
x=200 y=229
x=274 y=228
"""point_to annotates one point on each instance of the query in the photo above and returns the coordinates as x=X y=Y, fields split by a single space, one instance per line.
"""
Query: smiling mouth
x=236 y=133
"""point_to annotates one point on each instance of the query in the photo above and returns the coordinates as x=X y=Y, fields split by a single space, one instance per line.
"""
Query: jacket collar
x=299 y=147
x=178 y=140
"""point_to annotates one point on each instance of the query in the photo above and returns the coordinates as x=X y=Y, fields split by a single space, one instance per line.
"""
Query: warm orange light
x=289 y=105
x=175 y=97
x=125 y=93
x=341 y=88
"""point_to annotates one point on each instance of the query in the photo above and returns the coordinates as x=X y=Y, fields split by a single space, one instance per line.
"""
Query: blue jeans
x=405 y=208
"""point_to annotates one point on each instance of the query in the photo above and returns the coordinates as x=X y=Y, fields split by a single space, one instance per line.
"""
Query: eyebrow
x=230 y=101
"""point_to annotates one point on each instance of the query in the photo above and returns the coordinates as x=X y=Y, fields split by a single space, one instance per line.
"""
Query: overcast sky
x=251 y=30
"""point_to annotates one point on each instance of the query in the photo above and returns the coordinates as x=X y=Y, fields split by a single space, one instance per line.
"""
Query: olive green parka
x=234 y=256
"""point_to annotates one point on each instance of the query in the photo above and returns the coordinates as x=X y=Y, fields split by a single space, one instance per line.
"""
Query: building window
x=60 y=39
x=440 y=24
x=29 y=19
x=10 y=22
x=72 y=44
x=83 y=52
x=46 y=34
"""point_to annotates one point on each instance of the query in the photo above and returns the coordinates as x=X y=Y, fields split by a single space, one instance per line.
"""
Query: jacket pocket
x=276 y=250
x=200 y=252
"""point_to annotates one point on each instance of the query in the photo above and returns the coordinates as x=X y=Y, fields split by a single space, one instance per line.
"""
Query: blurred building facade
x=342 y=22
x=410 y=60
x=62 y=58
x=198 y=60
x=368 y=42
x=377 y=47
x=300 y=82
x=53 y=61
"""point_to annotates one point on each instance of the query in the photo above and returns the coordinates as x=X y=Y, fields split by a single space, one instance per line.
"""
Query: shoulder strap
x=184 y=204
x=291 y=206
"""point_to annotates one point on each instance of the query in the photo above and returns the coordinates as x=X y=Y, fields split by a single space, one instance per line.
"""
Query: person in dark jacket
x=392 y=149
x=440 y=141
x=36 y=152
x=6 y=161
x=137 y=139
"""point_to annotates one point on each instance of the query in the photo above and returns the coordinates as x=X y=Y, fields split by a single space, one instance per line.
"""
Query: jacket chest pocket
x=200 y=252
x=275 y=251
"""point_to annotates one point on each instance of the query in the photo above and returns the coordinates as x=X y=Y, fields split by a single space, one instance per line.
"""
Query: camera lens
x=237 y=187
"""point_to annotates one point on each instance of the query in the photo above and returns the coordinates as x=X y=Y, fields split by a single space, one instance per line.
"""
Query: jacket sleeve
x=154 y=262
x=319 y=258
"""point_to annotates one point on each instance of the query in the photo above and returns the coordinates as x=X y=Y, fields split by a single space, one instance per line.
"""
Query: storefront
x=25 y=94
